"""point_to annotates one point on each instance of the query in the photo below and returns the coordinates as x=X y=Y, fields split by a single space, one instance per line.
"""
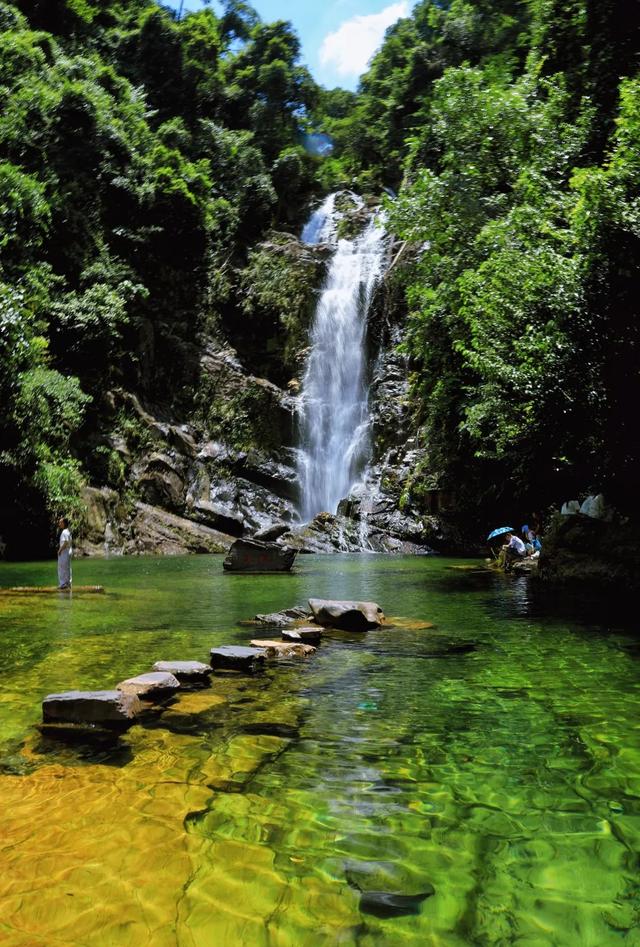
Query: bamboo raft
x=51 y=589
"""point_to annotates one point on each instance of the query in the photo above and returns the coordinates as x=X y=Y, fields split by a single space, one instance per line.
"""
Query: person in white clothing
x=64 y=555
x=514 y=550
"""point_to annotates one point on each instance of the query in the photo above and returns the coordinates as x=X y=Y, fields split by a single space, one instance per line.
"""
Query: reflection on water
x=475 y=783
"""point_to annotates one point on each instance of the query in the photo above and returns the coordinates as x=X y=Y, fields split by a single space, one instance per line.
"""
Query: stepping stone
x=155 y=685
x=285 y=617
x=112 y=709
x=348 y=616
x=189 y=673
x=284 y=649
x=310 y=635
x=237 y=658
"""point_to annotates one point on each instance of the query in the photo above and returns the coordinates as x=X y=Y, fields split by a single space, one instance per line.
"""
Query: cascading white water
x=334 y=442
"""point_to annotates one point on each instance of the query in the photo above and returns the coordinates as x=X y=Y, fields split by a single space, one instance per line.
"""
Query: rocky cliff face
x=227 y=470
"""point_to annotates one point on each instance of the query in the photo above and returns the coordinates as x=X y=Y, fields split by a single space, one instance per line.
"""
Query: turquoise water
x=485 y=770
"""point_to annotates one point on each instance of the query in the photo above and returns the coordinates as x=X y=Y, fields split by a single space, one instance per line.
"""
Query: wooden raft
x=50 y=589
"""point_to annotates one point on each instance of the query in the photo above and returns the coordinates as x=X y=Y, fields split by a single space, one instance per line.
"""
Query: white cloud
x=352 y=45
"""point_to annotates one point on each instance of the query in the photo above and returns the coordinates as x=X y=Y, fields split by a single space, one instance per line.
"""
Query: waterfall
x=334 y=421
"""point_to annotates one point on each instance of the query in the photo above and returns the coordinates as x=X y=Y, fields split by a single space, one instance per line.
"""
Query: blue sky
x=338 y=36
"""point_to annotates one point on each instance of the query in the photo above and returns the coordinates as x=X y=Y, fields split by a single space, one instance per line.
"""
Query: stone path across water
x=119 y=709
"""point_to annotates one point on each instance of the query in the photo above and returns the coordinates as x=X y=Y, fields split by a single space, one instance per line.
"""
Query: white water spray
x=334 y=444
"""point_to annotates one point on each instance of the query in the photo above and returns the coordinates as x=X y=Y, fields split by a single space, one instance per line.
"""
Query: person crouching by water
x=514 y=551
x=64 y=555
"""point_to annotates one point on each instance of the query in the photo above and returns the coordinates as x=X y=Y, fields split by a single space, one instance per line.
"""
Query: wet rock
x=237 y=658
x=284 y=649
x=285 y=617
x=387 y=904
x=310 y=635
x=247 y=555
x=329 y=533
x=256 y=506
x=156 y=685
x=112 y=709
x=188 y=673
x=266 y=471
x=348 y=616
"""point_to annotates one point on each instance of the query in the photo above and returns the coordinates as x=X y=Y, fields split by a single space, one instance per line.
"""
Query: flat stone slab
x=237 y=658
x=155 y=685
x=249 y=555
x=346 y=615
x=310 y=635
x=284 y=649
x=189 y=673
x=112 y=709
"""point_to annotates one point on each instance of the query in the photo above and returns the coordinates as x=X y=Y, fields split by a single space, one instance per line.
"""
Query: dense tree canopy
x=143 y=157
x=140 y=156
x=520 y=198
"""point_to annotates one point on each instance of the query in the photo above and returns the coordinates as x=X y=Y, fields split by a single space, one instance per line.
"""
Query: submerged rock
x=237 y=658
x=156 y=685
x=248 y=555
x=386 y=904
x=348 y=616
x=114 y=709
x=189 y=673
x=284 y=649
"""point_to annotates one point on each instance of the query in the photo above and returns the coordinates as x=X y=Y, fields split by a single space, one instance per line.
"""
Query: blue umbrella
x=499 y=532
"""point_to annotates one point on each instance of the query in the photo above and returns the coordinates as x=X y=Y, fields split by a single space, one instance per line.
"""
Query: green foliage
x=140 y=156
x=277 y=288
x=143 y=160
x=42 y=412
x=525 y=258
